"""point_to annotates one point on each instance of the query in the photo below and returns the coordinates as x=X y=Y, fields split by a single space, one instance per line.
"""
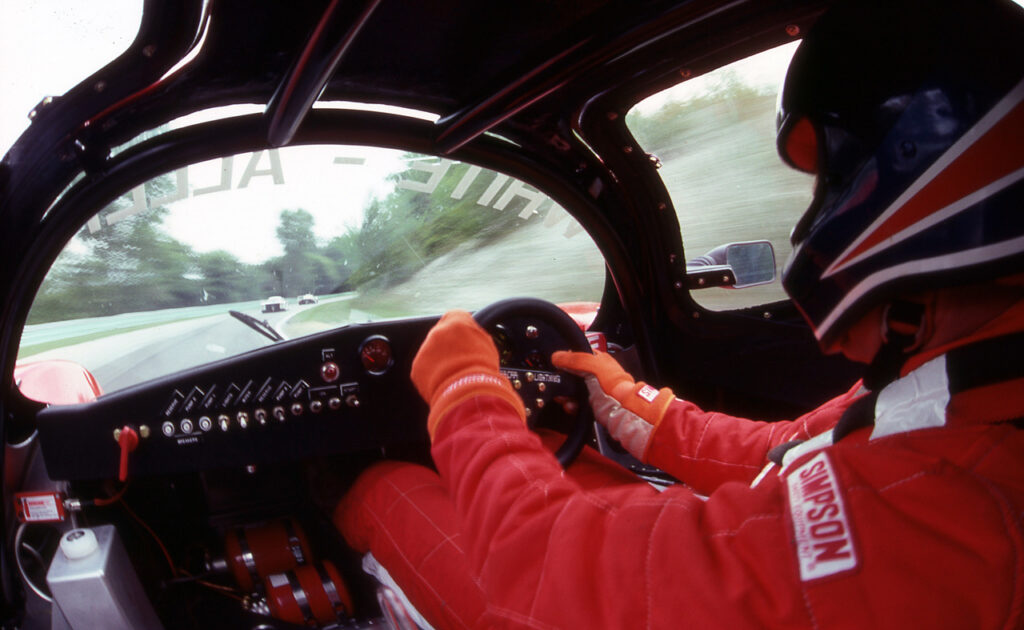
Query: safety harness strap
x=988 y=362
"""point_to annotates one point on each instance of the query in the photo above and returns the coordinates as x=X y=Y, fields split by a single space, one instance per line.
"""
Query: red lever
x=128 y=441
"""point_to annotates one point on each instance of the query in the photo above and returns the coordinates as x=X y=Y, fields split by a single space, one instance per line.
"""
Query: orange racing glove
x=456 y=362
x=629 y=410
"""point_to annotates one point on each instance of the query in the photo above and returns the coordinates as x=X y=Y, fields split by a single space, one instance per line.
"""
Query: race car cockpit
x=578 y=175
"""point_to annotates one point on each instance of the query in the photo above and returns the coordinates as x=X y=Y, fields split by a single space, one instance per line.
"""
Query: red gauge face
x=535 y=361
x=376 y=355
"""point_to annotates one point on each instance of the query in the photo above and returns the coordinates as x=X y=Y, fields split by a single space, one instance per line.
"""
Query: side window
x=300 y=240
x=715 y=138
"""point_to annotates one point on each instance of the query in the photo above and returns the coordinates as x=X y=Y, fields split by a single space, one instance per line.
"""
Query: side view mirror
x=734 y=265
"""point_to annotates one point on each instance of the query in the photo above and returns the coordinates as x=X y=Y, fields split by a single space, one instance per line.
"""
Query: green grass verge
x=357 y=309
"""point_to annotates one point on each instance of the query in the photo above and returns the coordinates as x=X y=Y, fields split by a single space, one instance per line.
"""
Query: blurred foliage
x=699 y=121
x=404 y=231
x=131 y=263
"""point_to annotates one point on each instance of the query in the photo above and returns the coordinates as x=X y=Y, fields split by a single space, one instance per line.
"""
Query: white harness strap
x=916 y=401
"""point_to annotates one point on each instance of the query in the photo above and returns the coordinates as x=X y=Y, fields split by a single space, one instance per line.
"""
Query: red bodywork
x=583 y=313
x=56 y=382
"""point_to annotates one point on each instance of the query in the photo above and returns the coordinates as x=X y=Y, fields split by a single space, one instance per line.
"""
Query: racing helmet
x=911 y=115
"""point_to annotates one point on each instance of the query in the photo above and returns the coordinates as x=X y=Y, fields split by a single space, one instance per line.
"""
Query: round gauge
x=503 y=342
x=535 y=361
x=376 y=354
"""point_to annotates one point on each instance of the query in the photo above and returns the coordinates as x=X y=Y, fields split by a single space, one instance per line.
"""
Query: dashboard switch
x=127 y=441
x=279 y=414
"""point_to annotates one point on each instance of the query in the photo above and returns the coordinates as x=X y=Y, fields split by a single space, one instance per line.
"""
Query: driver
x=898 y=504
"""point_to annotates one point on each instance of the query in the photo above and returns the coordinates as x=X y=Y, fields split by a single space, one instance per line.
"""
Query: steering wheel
x=526 y=331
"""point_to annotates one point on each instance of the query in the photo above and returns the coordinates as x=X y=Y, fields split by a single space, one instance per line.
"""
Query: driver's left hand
x=631 y=410
x=456 y=362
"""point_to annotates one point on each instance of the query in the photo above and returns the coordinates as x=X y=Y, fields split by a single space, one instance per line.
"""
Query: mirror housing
x=733 y=265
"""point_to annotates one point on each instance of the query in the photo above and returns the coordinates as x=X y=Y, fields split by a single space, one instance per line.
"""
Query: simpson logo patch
x=824 y=541
x=648 y=393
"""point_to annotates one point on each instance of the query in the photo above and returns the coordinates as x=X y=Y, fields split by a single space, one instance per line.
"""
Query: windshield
x=301 y=239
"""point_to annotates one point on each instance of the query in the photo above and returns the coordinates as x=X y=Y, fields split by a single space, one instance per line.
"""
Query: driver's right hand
x=630 y=410
x=456 y=362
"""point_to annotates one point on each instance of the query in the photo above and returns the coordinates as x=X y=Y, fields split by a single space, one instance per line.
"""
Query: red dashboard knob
x=330 y=371
x=127 y=441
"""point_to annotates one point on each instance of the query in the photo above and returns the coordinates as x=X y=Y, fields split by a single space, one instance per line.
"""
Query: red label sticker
x=39 y=507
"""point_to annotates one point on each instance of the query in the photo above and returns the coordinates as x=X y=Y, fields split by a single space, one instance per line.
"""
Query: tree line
x=134 y=264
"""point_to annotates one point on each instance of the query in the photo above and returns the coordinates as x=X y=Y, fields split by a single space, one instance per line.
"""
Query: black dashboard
x=340 y=391
x=333 y=392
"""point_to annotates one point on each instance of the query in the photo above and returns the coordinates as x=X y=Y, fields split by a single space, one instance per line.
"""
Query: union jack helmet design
x=911 y=114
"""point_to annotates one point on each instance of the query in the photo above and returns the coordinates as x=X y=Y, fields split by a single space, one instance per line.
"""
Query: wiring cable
x=20 y=544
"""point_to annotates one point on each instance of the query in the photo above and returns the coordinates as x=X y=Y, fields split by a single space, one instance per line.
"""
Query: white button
x=78 y=543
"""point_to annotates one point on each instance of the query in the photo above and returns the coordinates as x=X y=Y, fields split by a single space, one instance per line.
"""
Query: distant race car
x=308 y=298
x=274 y=303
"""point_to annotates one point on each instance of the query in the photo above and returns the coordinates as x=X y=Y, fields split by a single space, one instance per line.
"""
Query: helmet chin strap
x=902 y=333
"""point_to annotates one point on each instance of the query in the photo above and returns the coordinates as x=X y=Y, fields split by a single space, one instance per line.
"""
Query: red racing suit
x=912 y=522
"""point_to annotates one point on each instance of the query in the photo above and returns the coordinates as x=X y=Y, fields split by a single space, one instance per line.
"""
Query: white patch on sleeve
x=821 y=528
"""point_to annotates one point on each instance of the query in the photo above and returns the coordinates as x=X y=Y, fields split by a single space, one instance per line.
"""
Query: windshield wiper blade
x=263 y=327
